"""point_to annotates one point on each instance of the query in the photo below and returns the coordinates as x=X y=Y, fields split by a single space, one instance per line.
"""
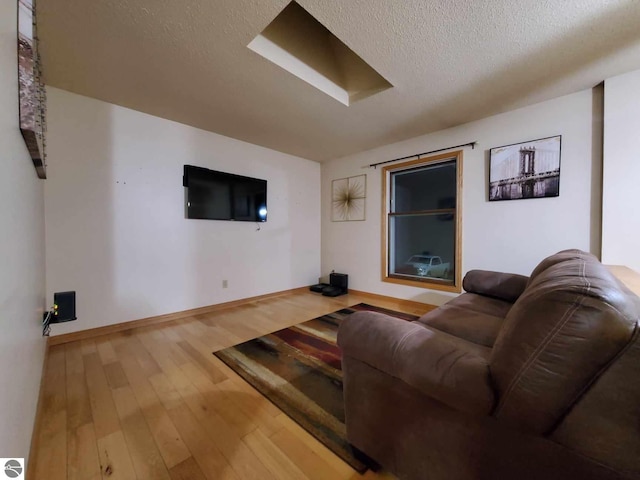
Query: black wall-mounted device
x=64 y=307
x=63 y=310
x=214 y=195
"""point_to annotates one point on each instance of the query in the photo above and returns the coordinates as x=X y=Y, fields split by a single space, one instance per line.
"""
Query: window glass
x=426 y=188
x=421 y=222
x=427 y=235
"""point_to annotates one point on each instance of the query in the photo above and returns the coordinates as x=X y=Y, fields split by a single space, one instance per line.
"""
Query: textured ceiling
x=449 y=62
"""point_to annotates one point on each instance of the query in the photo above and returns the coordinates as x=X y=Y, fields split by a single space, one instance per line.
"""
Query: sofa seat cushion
x=473 y=317
x=441 y=366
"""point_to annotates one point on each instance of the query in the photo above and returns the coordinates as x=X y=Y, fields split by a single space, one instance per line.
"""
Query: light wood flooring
x=154 y=403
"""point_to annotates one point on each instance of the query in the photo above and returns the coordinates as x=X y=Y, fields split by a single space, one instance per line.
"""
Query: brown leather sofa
x=519 y=378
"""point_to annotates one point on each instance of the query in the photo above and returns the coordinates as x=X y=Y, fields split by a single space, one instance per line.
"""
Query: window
x=422 y=223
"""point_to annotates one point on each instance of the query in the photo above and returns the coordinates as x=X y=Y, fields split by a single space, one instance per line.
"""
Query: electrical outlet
x=225 y=283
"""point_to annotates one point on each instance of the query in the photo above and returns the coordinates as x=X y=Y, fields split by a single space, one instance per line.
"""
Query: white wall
x=116 y=232
x=621 y=176
x=22 y=254
x=510 y=236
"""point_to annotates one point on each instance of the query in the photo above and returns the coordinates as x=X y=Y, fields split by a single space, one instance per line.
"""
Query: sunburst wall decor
x=348 y=199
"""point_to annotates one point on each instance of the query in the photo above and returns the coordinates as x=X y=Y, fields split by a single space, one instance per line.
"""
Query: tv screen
x=214 y=195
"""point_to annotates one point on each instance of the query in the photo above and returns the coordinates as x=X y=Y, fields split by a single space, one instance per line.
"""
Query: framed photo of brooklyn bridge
x=525 y=170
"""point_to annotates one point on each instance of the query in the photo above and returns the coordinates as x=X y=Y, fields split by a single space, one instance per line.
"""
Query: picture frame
x=31 y=90
x=348 y=197
x=525 y=170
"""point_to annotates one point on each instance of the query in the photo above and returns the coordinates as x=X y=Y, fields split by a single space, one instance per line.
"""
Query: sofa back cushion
x=572 y=320
x=503 y=286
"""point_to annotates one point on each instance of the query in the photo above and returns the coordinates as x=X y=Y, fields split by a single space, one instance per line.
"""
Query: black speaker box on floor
x=339 y=285
x=340 y=280
x=318 y=287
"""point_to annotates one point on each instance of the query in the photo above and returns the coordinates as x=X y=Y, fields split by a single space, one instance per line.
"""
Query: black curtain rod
x=471 y=144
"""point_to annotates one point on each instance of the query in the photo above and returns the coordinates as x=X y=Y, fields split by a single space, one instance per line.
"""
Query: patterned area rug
x=299 y=370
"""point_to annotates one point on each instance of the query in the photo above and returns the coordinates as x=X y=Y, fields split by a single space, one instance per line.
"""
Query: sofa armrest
x=505 y=286
x=444 y=367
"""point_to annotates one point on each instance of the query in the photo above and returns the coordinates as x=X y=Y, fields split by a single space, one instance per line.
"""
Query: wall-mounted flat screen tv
x=214 y=195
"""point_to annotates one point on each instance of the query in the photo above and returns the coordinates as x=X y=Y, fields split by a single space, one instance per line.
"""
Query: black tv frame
x=230 y=178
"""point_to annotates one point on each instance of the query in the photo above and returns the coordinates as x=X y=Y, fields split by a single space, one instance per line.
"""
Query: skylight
x=304 y=47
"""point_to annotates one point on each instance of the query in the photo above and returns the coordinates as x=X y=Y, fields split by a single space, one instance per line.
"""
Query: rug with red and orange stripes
x=299 y=370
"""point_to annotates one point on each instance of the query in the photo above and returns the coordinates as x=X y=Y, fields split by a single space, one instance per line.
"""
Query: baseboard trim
x=402 y=303
x=144 y=322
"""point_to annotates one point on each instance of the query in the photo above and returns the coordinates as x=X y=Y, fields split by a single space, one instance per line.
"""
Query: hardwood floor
x=154 y=403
